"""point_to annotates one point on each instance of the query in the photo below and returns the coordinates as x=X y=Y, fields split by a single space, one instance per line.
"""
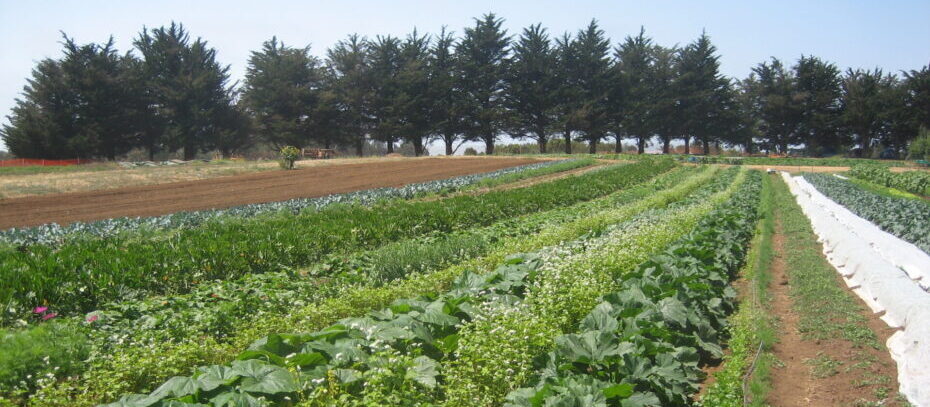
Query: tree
x=637 y=84
x=774 y=104
x=567 y=90
x=188 y=86
x=865 y=105
x=351 y=88
x=445 y=96
x=482 y=67
x=80 y=106
x=592 y=73
x=917 y=98
x=818 y=88
x=415 y=101
x=282 y=86
x=663 y=77
x=384 y=68
x=531 y=85
x=699 y=83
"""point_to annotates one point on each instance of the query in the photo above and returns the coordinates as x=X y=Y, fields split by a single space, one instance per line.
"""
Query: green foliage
x=919 y=149
x=83 y=105
x=481 y=64
x=282 y=85
x=36 y=357
x=643 y=344
x=79 y=276
x=908 y=219
x=917 y=182
x=288 y=154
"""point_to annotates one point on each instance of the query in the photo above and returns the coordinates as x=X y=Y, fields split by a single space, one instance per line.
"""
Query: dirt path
x=835 y=370
x=236 y=190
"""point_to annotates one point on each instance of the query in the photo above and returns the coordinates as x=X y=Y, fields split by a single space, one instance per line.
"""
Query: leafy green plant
x=919 y=149
x=917 y=182
x=29 y=358
x=644 y=343
x=288 y=156
x=905 y=218
x=82 y=275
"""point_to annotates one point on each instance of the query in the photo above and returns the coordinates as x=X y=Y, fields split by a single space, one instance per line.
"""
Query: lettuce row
x=643 y=344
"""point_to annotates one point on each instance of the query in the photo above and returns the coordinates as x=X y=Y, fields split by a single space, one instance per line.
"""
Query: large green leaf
x=211 y=377
x=258 y=377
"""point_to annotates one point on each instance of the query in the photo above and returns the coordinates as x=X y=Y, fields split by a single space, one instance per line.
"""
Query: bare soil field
x=93 y=177
x=327 y=177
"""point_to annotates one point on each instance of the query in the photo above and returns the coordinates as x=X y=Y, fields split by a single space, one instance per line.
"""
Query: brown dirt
x=236 y=190
x=793 y=383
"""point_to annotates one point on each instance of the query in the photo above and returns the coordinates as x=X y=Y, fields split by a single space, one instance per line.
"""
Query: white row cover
x=889 y=274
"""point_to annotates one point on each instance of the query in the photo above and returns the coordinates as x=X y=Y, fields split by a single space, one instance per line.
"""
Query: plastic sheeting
x=889 y=274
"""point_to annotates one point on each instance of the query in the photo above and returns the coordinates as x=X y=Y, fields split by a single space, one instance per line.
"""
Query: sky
x=892 y=34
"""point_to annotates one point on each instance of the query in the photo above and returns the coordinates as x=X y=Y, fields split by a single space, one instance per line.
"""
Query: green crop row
x=148 y=354
x=915 y=182
x=907 y=219
x=745 y=368
x=429 y=336
x=643 y=344
x=568 y=286
x=79 y=277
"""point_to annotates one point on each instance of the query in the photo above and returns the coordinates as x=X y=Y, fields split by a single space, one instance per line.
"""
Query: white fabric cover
x=889 y=274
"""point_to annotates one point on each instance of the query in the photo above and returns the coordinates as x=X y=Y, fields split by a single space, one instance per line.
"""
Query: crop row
x=907 y=219
x=54 y=234
x=643 y=345
x=162 y=335
x=915 y=182
x=79 y=276
x=388 y=347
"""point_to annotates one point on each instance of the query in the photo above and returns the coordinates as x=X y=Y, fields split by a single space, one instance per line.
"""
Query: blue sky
x=893 y=35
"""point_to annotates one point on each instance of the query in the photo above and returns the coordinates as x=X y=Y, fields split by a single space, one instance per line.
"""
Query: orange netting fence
x=23 y=162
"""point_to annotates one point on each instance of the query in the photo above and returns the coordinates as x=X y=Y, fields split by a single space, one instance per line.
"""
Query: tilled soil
x=151 y=200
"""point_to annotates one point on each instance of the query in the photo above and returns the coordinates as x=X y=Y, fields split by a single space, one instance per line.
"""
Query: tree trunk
x=706 y=146
x=749 y=147
x=417 y=147
x=666 y=145
x=619 y=147
x=489 y=145
x=542 y=141
x=641 y=145
x=717 y=147
x=592 y=147
x=687 y=145
x=189 y=152
x=567 y=135
x=449 y=140
x=360 y=146
x=390 y=147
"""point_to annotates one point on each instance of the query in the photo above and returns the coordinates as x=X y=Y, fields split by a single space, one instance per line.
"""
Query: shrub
x=471 y=151
x=288 y=155
x=920 y=147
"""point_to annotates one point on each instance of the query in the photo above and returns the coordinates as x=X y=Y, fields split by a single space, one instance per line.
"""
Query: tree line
x=170 y=94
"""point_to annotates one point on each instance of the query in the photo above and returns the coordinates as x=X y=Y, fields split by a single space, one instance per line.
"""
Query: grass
x=16 y=182
x=825 y=308
x=40 y=169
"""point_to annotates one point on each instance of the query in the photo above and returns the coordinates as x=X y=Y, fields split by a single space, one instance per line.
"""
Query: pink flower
x=39 y=310
x=49 y=316
x=92 y=318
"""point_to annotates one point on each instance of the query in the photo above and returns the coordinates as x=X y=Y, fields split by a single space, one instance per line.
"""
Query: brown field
x=313 y=179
